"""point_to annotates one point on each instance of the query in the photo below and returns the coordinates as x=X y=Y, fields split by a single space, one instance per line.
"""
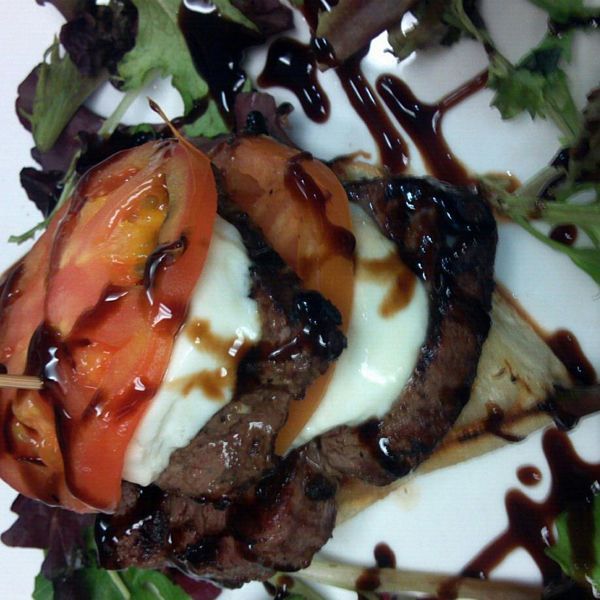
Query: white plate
x=440 y=521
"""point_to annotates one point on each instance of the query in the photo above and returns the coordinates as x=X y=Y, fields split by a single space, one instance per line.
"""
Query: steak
x=447 y=236
x=237 y=517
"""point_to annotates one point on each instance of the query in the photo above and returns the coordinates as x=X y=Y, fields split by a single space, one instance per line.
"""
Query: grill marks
x=227 y=507
x=447 y=237
x=197 y=516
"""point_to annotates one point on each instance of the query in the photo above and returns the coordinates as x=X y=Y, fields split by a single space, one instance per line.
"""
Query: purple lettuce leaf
x=98 y=37
x=67 y=8
x=274 y=117
x=43 y=188
x=270 y=16
x=60 y=532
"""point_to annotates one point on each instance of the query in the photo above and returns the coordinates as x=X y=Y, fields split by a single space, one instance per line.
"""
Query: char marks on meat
x=448 y=237
x=238 y=515
x=196 y=517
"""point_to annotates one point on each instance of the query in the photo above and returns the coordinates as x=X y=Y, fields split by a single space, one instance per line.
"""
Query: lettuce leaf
x=60 y=91
x=161 y=49
x=564 y=551
x=537 y=84
x=564 y=12
x=571 y=194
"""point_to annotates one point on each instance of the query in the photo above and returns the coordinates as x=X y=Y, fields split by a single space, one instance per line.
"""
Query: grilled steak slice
x=445 y=235
x=448 y=237
x=232 y=543
x=300 y=337
x=206 y=515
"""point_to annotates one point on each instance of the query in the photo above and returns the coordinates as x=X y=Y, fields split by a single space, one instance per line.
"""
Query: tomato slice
x=101 y=296
x=303 y=212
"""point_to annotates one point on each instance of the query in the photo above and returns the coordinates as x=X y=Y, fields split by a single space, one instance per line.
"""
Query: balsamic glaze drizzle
x=392 y=148
x=292 y=65
x=217 y=47
x=423 y=123
x=574 y=483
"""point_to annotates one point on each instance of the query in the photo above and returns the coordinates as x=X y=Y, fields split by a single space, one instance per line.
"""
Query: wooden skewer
x=22 y=382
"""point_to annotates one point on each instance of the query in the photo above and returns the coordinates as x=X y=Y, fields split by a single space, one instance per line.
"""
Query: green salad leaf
x=60 y=91
x=586 y=569
x=229 y=11
x=571 y=194
x=434 y=25
x=536 y=84
x=43 y=589
x=95 y=583
x=160 y=49
x=564 y=12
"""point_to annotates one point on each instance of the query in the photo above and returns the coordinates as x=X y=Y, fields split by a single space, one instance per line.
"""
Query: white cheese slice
x=384 y=337
x=222 y=321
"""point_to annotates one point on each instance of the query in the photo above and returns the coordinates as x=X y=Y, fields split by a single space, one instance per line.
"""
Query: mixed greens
x=128 y=43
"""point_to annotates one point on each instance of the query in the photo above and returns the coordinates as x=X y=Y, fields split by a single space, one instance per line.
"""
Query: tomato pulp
x=93 y=310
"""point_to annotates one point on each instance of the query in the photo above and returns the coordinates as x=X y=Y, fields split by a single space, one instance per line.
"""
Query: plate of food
x=300 y=300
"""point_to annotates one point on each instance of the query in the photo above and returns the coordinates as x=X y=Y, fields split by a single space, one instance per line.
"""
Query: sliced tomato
x=101 y=297
x=303 y=212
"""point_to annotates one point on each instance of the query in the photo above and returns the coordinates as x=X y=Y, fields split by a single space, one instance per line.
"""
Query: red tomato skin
x=95 y=326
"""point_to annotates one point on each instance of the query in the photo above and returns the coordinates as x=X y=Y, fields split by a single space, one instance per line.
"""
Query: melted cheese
x=385 y=334
x=222 y=322
x=387 y=329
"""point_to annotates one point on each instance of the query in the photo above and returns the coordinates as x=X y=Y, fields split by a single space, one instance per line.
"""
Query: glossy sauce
x=228 y=351
x=566 y=347
x=390 y=269
x=529 y=475
x=384 y=556
x=573 y=485
x=217 y=47
x=393 y=150
x=564 y=234
x=423 y=123
x=339 y=241
x=292 y=65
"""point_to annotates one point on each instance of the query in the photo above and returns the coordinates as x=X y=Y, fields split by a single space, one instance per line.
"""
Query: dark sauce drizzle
x=529 y=475
x=384 y=556
x=574 y=483
x=566 y=347
x=564 y=234
x=217 y=47
x=423 y=123
x=393 y=150
x=292 y=65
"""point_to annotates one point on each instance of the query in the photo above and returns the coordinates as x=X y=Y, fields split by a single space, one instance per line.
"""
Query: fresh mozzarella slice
x=223 y=321
x=386 y=332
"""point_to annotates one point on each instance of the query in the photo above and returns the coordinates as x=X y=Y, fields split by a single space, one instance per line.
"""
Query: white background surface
x=440 y=521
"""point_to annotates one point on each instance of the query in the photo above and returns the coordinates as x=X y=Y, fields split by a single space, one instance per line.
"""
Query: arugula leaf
x=563 y=12
x=59 y=92
x=435 y=24
x=86 y=579
x=429 y=29
x=571 y=193
x=160 y=49
x=564 y=554
x=537 y=84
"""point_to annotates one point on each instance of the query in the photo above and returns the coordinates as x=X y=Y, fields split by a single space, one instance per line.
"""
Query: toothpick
x=22 y=382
